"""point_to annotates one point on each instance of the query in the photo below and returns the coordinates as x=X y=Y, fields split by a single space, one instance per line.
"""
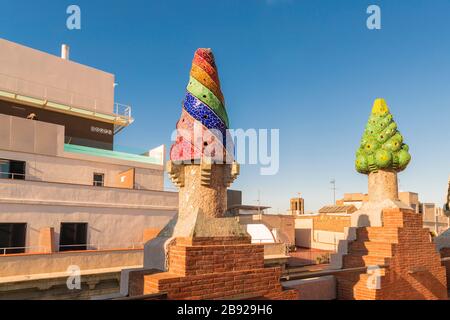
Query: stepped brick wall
x=217 y=268
x=414 y=268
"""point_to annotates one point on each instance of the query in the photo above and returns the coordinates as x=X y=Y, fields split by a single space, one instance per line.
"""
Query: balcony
x=72 y=148
x=39 y=192
x=63 y=101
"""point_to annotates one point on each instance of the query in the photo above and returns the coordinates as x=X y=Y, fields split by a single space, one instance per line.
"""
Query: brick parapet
x=414 y=269
x=212 y=271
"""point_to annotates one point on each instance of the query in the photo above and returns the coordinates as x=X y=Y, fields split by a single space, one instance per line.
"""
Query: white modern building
x=64 y=191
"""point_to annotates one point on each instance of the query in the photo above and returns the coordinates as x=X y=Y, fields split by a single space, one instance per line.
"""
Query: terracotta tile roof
x=338 y=209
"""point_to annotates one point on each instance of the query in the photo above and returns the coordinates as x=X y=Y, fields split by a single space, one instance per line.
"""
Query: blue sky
x=310 y=68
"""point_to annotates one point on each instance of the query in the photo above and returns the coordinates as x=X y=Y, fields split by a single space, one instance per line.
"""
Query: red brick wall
x=193 y=260
x=217 y=269
x=414 y=271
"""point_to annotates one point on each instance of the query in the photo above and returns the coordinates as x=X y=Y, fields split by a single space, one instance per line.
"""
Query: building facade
x=63 y=187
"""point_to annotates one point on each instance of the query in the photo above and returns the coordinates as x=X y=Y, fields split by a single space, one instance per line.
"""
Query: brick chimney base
x=217 y=268
x=414 y=270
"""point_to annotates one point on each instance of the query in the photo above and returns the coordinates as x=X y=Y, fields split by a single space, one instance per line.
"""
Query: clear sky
x=310 y=68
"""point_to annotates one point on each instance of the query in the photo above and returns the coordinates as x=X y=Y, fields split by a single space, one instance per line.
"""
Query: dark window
x=73 y=236
x=12 y=235
x=99 y=180
x=11 y=169
x=78 y=130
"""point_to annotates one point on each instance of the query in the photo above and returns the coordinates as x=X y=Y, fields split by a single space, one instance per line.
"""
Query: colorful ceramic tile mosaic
x=197 y=139
x=202 y=127
x=202 y=63
x=183 y=150
x=200 y=112
x=204 y=78
x=207 y=55
x=382 y=146
x=206 y=96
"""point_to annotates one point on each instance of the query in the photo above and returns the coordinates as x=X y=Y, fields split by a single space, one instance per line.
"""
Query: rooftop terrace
x=111 y=154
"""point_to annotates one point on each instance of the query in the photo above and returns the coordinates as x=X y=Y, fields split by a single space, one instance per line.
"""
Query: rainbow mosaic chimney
x=201 y=253
x=201 y=165
x=201 y=162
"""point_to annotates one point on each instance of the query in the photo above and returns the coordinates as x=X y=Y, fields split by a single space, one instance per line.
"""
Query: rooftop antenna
x=258 y=201
x=333 y=183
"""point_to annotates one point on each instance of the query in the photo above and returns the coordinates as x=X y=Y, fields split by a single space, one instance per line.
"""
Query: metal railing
x=328 y=272
x=123 y=110
x=21 y=176
x=263 y=241
x=35 y=90
x=93 y=247
x=4 y=251
x=137 y=187
x=99 y=183
x=303 y=257
x=12 y=176
x=293 y=274
x=85 y=247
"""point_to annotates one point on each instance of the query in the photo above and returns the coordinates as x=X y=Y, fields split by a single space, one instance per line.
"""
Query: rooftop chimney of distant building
x=65 y=50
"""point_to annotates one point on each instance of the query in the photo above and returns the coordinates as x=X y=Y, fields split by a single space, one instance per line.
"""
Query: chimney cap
x=65 y=51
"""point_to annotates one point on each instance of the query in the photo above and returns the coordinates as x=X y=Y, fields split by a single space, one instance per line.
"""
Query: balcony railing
x=19 y=250
x=98 y=246
x=123 y=110
x=12 y=176
x=73 y=247
x=60 y=100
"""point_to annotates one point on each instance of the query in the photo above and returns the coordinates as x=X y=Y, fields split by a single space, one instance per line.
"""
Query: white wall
x=38 y=264
x=108 y=227
x=116 y=217
x=326 y=240
x=41 y=75
x=303 y=232
x=69 y=169
x=307 y=237
x=41 y=145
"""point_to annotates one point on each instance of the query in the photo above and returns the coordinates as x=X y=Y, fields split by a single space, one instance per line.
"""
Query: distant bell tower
x=297 y=206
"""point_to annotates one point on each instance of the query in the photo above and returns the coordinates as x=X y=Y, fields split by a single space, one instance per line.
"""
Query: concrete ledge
x=86 y=204
x=56 y=275
x=321 y=288
x=26 y=266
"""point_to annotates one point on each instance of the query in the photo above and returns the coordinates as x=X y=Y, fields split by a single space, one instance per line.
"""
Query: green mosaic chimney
x=381 y=146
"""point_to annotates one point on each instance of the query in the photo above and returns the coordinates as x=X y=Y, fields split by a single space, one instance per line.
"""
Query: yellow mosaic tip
x=380 y=107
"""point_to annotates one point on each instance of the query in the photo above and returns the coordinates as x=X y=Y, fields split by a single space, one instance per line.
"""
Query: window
x=99 y=180
x=73 y=236
x=12 y=235
x=11 y=169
